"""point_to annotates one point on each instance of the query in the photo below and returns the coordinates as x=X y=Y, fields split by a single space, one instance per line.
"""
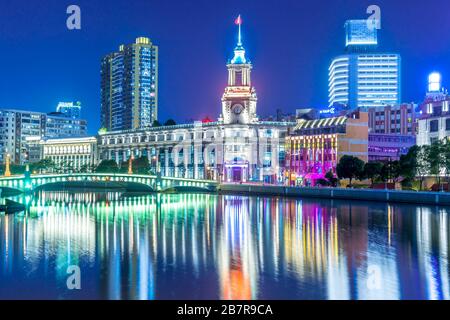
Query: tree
x=350 y=167
x=445 y=151
x=421 y=166
x=434 y=159
x=390 y=171
x=17 y=169
x=141 y=165
x=45 y=165
x=170 y=122
x=333 y=181
x=107 y=166
x=372 y=171
x=408 y=163
x=156 y=123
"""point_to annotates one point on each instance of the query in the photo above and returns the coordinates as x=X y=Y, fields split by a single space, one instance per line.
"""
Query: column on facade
x=253 y=153
x=197 y=151
x=206 y=162
x=166 y=161
x=186 y=158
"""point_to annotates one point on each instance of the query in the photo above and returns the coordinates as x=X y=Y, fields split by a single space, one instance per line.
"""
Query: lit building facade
x=398 y=119
x=315 y=147
x=69 y=109
x=19 y=127
x=389 y=147
x=15 y=127
x=129 y=87
x=236 y=148
x=71 y=154
x=434 y=123
x=364 y=78
x=58 y=125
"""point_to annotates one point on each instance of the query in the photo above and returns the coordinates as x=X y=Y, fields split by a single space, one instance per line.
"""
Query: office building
x=19 y=128
x=398 y=119
x=129 y=87
x=15 y=127
x=363 y=77
x=57 y=125
x=69 y=109
x=389 y=147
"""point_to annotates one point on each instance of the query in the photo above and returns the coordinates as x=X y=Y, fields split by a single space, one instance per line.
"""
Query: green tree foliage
x=156 y=123
x=351 y=168
x=445 y=149
x=170 y=122
x=390 y=171
x=141 y=165
x=434 y=159
x=333 y=181
x=107 y=166
x=17 y=169
x=323 y=182
x=43 y=166
x=372 y=171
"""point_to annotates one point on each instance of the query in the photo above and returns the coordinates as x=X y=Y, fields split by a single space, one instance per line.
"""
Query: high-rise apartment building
x=363 y=77
x=129 y=87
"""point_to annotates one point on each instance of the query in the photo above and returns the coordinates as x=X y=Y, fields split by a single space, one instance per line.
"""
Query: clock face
x=237 y=109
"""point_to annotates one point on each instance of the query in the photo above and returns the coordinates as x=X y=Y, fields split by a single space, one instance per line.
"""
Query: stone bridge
x=29 y=183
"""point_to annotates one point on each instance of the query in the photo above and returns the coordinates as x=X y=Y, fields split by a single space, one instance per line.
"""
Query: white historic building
x=71 y=154
x=434 y=123
x=236 y=148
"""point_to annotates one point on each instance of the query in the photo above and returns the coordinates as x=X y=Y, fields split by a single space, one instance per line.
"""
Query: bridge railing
x=19 y=182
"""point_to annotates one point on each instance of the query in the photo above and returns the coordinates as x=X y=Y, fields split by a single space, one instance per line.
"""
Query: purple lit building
x=389 y=147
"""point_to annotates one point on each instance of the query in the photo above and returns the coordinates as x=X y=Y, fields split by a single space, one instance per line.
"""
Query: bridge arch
x=35 y=182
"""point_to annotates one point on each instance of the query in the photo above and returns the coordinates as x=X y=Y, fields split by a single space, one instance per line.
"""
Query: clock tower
x=239 y=99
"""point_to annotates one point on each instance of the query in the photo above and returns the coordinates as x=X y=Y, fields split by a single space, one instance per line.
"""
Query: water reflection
x=223 y=247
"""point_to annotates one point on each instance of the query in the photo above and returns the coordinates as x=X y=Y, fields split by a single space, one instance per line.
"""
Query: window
x=447 y=124
x=434 y=126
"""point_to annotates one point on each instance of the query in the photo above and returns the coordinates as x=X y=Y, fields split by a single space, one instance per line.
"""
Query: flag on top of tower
x=238 y=20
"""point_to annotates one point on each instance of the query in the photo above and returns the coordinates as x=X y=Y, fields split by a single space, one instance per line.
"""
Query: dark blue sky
x=290 y=43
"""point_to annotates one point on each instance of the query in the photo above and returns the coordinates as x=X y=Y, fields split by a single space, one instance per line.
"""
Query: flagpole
x=240 y=22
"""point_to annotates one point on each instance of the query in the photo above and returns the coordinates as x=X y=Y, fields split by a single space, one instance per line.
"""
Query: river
x=203 y=246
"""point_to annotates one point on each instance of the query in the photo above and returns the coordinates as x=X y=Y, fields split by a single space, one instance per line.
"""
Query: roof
x=320 y=123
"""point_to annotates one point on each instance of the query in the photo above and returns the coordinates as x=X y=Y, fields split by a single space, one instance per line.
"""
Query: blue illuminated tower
x=364 y=78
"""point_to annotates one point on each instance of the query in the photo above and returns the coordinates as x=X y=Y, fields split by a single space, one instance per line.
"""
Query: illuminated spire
x=239 y=52
x=239 y=23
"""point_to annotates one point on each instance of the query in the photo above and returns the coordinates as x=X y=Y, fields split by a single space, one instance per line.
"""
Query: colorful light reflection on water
x=196 y=246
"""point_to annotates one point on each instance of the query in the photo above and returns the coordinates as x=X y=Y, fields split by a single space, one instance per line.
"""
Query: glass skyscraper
x=129 y=87
x=363 y=77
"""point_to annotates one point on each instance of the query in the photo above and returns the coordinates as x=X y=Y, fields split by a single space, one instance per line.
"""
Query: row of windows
x=434 y=125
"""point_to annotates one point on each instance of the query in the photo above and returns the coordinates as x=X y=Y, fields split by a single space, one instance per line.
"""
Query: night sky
x=290 y=43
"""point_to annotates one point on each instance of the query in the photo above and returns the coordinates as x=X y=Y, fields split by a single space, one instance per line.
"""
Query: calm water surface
x=223 y=247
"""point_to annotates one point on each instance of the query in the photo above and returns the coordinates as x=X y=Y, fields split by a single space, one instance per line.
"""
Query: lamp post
x=7 y=165
x=130 y=165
